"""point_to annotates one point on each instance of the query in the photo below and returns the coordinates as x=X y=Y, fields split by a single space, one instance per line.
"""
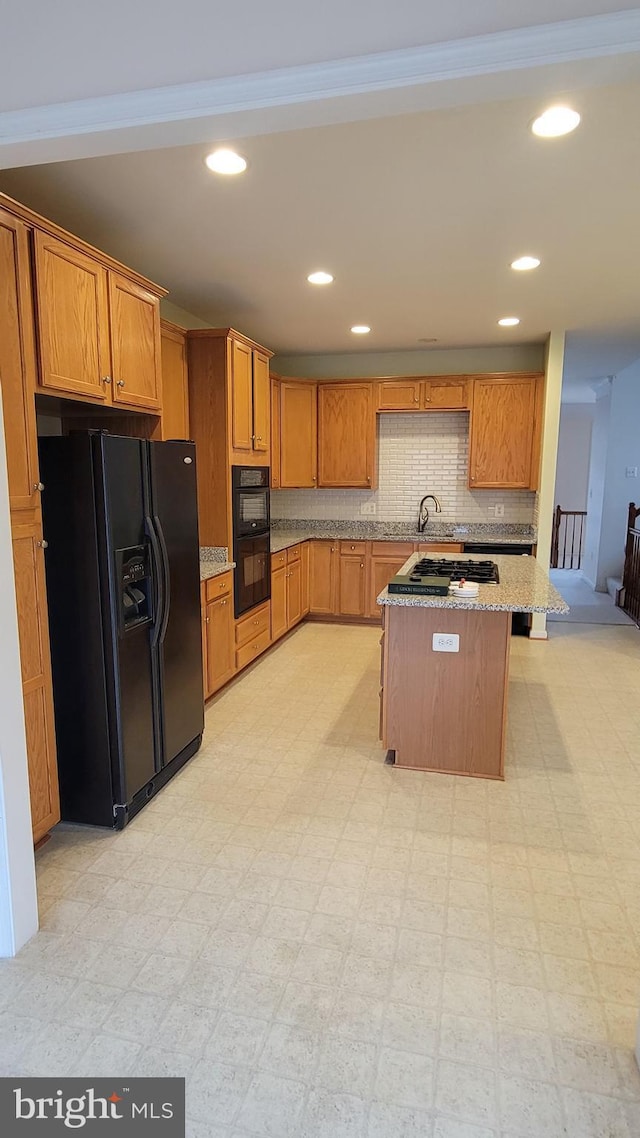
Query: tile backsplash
x=419 y=453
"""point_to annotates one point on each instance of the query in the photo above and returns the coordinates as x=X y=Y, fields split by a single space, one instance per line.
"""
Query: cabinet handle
x=106 y=379
x=42 y=544
x=353 y=546
x=416 y=399
x=224 y=602
x=428 y=399
x=121 y=383
x=38 y=486
x=314 y=478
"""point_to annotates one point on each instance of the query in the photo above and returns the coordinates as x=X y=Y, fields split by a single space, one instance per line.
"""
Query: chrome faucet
x=423 y=511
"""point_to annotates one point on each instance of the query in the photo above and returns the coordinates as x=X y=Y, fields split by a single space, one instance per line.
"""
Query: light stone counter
x=524 y=587
x=214 y=560
x=376 y=531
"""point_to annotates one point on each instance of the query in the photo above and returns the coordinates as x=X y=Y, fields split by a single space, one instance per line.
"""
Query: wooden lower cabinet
x=294 y=593
x=323 y=578
x=381 y=571
x=218 y=641
x=252 y=635
x=305 y=567
x=31 y=603
x=353 y=585
x=279 y=601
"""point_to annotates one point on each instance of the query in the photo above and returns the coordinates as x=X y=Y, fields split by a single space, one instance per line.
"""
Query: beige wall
x=180 y=316
x=453 y=361
x=554 y=366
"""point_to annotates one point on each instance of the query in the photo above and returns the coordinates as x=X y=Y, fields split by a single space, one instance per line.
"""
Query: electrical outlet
x=631 y=472
x=445 y=642
x=498 y=510
x=368 y=509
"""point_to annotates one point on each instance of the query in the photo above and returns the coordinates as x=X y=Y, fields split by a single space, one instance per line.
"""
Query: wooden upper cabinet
x=31 y=605
x=399 y=395
x=275 y=432
x=135 y=344
x=346 y=435
x=18 y=364
x=504 y=432
x=261 y=403
x=241 y=396
x=298 y=433
x=175 y=386
x=73 y=319
x=446 y=394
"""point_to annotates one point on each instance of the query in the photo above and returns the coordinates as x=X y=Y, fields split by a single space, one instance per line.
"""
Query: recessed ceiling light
x=225 y=161
x=320 y=277
x=523 y=264
x=555 y=121
x=509 y=321
x=360 y=329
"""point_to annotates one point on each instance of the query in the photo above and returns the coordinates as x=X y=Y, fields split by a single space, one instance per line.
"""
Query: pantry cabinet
x=98 y=330
x=346 y=435
x=18 y=379
x=505 y=432
x=298 y=434
x=175 y=386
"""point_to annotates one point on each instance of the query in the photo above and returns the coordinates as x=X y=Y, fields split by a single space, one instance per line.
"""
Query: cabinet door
x=278 y=602
x=381 y=572
x=323 y=578
x=353 y=586
x=73 y=320
x=31 y=603
x=220 y=643
x=305 y=555
x=135 y=344
x=399 y=395
x=275 y=433
x=175 y=388
x=502 y=433
x=261 y=403
x=299 y=433
x=205 y=670
x=18 y=364
x=294 y=593
x=446 y=394
x=241 y=396
x=346 y=435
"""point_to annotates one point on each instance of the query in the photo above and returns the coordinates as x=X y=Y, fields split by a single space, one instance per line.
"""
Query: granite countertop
x=296 y=532
x=524 y=587
x=214 y=560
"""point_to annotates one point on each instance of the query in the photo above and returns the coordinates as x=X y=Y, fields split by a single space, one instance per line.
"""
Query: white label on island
x=445 y=642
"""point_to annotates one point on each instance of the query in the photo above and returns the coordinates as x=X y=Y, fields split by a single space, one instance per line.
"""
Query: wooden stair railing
x=631 y=571
x=567 y=538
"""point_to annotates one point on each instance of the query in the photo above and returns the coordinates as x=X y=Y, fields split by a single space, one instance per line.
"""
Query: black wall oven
x=251 y=540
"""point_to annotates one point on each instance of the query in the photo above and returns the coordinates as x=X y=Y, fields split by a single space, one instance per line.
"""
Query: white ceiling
x=417 y=214
x=74 y=49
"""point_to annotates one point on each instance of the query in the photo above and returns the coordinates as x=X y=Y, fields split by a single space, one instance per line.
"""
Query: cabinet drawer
x=218 y=586
x=278 y=559
x=392 y=549
x=253 y=625
x=252 y=650
x=355 y=548
x=294 y=553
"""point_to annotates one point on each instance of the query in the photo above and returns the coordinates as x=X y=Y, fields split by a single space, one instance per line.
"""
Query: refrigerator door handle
x=166 y=575
x=159 y=579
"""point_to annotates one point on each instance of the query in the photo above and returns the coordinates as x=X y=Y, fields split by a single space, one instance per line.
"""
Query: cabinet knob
x=416 y=399
x=121 y=383
x=353 y=546
x=106 y=379
x=368 y=478
x=206 y=619
x=313 y=478
x=43 y=544
x=362 y=564
x=259 y=438
x=38 y=486
x=224 y=602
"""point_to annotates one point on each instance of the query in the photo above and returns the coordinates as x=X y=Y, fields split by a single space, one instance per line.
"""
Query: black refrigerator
x=123 y=585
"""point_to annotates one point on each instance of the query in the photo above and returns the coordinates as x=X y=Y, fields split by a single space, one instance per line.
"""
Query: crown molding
x=525 y=48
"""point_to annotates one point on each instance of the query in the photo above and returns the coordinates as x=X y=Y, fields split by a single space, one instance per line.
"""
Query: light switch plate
x=446 y=642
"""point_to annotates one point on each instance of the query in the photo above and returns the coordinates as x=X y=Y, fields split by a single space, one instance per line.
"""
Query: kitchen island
x=445 y=669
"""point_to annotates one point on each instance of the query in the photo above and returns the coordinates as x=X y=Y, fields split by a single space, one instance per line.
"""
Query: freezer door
x=121 y=476
x=175 y=515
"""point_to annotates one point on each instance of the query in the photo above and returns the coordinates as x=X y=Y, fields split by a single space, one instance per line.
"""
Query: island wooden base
x=445 y=711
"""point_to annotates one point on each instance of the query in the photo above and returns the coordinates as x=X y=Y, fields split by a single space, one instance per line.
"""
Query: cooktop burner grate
x=484 y=572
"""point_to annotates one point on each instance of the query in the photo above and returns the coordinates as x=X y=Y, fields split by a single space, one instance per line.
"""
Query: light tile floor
x=326 y=947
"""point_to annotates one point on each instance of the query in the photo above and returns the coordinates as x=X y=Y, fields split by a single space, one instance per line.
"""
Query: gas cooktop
x=485 y=572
